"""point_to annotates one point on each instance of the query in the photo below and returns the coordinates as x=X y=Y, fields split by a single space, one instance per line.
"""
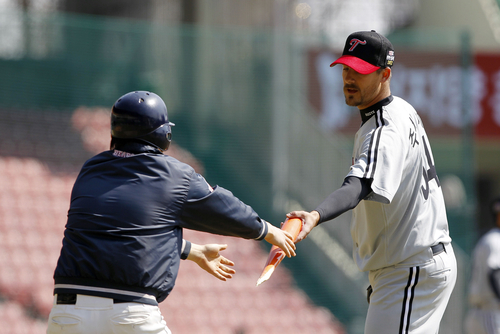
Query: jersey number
x=429 y=173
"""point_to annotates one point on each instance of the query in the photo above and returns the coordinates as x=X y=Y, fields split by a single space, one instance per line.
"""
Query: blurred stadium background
x=258 y=111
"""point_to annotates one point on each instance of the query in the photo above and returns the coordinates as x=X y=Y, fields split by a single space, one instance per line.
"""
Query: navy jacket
x=123 y=236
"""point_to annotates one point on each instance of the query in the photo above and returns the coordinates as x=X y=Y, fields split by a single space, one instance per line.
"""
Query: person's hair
x=113 y=143
x=117 y=143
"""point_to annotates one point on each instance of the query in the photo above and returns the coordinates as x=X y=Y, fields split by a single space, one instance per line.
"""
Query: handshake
x=283 y=240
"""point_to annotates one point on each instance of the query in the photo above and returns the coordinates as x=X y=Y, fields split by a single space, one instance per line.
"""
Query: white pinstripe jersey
x=405 y=213
x=486 y=257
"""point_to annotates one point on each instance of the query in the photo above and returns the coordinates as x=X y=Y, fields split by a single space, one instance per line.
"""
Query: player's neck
x=383 y=93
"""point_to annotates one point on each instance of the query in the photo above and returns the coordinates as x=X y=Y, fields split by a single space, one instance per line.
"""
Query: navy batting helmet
x=143 y=116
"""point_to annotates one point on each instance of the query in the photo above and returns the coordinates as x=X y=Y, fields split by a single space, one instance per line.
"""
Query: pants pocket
x=135 y=318
x=440 y=272
x=64 y=324
x=139 y=321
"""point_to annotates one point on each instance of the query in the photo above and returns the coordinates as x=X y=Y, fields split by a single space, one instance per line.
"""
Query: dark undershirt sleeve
x=352 y=191
x=495 y=281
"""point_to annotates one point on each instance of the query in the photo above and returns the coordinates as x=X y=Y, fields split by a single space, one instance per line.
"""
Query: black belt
x=70 y=299
x=437 y=249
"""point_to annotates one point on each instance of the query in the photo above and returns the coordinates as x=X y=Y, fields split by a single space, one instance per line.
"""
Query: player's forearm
x=222 y=213
x=345 y=198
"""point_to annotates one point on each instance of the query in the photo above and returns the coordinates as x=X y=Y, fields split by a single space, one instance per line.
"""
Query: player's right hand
x=310 y=220
x=280 y=238
x=210 y=260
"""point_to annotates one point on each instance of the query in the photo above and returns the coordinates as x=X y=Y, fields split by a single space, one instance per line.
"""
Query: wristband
x=186 y=250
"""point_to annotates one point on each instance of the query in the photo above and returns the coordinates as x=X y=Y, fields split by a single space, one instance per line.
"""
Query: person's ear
x=386 y=74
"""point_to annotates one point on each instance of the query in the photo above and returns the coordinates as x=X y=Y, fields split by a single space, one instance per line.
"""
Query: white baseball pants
x=96 y=315
x=411 y=299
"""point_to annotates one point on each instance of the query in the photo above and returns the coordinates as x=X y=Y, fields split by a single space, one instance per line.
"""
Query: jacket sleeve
x=217 y=211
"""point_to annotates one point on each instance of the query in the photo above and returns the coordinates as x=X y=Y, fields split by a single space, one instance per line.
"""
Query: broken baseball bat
x=292 y=226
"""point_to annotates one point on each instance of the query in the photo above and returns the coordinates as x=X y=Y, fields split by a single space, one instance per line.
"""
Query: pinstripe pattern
x=489 y=323
x=371 y=160
x=404 y=325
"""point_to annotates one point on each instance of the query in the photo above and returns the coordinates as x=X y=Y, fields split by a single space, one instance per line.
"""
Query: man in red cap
x=399 y=226
x=367 y=60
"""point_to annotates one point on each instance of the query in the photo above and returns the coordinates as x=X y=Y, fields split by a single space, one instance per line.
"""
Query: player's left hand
x=209 y=259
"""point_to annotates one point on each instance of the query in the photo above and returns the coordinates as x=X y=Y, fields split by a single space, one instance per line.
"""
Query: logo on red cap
x=354 y=42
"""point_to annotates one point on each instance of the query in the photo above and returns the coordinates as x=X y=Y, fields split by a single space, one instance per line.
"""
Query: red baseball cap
x=366 y=51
